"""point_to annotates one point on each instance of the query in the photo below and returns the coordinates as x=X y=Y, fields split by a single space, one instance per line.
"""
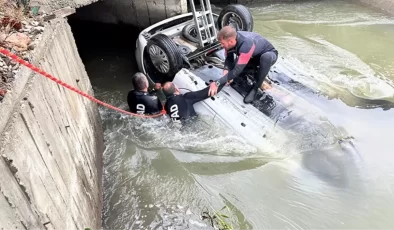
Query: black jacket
x=143 y=102
x=250 y=45
x=180 y=107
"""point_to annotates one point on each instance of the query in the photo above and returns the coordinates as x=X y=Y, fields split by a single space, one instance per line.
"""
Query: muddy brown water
x=156 y=177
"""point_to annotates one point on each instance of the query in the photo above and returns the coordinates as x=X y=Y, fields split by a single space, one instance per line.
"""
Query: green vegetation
x=218 y=219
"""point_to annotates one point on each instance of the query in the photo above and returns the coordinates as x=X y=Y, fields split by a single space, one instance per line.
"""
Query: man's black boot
x=250 y=96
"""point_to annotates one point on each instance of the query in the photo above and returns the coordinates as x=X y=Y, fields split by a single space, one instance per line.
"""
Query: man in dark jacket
x=180 y=106
x=140 y=100
x=252 y=50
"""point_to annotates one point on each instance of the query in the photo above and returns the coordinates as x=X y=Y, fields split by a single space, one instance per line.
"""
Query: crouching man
x=253 y=52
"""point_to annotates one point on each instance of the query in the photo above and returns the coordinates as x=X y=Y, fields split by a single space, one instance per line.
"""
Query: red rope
x=37 y=70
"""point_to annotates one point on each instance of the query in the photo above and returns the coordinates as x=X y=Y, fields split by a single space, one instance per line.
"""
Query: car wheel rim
x=193 y=33
x=159 y=58
x=234 y=20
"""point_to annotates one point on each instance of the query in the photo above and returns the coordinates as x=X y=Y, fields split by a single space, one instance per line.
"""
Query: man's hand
x=229 y=82
x=157 y=86
x=213 y=89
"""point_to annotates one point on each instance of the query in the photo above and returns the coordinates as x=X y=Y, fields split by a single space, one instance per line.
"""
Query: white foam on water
x=198 y=136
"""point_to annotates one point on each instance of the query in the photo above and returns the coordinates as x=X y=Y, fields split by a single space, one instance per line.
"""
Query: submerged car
x=174 y=50
x=171 y=51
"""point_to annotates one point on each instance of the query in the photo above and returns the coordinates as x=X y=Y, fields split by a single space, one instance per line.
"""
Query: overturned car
x=182 y=49
x=170 y=45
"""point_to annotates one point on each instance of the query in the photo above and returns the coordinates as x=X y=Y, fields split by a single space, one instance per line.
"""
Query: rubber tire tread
x=185 y=33
x=172 y=52
x=241 y=11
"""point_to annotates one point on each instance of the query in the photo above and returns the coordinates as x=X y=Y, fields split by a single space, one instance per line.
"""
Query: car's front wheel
x=163 y=57
x=236 y=15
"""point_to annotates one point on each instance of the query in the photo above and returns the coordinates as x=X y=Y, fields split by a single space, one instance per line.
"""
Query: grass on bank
x=12 y=13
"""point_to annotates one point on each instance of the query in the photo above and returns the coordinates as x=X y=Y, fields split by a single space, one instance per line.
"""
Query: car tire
x=238 y=14
x=163 y=57
x=190 y=33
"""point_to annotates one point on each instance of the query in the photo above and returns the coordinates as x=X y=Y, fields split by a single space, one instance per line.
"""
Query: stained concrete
x=51 y=143
x=49 y=5
x=139 y=13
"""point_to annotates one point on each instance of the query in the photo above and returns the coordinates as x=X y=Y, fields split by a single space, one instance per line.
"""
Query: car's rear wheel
x=237 y=16
x=163 y=57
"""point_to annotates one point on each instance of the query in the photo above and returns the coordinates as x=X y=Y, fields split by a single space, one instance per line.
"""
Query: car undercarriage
x=186 y=43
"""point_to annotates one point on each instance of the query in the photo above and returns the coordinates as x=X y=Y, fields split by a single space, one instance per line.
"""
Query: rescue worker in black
x=253 y=51
x=180 y=106
x=140 y=100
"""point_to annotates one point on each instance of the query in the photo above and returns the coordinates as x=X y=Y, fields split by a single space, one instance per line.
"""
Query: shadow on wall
x=95 y=38
x=108 y=54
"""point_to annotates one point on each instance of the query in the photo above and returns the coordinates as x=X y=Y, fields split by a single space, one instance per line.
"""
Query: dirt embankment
x=20 y=30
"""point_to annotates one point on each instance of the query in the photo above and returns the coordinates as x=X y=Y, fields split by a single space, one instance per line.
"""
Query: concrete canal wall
x=139 y=13
x=51 y=142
